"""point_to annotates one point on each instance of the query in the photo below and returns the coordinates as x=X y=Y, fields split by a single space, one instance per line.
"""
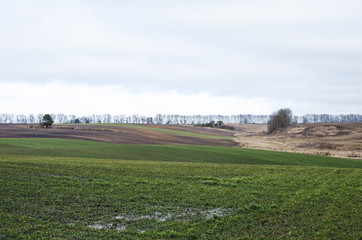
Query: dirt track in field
x=118 y=134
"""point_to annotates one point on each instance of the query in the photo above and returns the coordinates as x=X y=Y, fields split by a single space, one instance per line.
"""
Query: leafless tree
x=10 y=118
x=72 y=118
x=184 y=119
x=98 y=118
x=280 y=119
x=40 y=117
x=54 y=116
x=20 y=118
x=107 y=118
x=31 y=118
x=62 y=118
x=116 y=119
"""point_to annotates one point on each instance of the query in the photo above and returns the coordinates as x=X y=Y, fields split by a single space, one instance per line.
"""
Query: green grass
x=59 y=189
x=168 y=131
x=169 y=153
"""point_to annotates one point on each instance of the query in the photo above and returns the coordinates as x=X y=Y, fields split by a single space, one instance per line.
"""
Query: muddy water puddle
x=125 y=221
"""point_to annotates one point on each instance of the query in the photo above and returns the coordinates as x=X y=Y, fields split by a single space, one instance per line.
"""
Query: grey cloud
x=304 y=51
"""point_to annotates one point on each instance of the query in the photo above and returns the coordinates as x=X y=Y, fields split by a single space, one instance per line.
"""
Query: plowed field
x=124 y=133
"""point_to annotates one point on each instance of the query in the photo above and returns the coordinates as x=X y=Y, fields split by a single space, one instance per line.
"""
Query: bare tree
x=2 y=118
x=122 y=118
x=61 y=117
x=107 y=118
x=98 y=118
x=31 y=118
x=149 y=120
x=116 y=119
x=72 y=118
x=280 y=119
x=135 y=118
x=10 y=118
x=40 y=117
x=54 y=116
x=20 y=118
x=5 y=117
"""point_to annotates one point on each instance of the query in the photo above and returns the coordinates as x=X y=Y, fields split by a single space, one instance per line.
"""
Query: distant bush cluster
x=280 y=119
x=210 y=124
x=47 y=121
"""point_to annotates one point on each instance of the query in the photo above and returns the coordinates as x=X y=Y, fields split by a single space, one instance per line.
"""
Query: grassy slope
x=171 y=153
x=45 y=196
x=168 y=131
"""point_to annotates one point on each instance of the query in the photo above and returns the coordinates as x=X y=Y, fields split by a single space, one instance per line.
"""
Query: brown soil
x=117 y=134
x=331 y=139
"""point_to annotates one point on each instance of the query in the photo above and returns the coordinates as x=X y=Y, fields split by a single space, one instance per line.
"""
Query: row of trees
x=173 y=118
x=278 y=120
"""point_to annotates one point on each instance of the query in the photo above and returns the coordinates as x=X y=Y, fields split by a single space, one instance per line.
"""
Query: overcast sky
x=183 y=57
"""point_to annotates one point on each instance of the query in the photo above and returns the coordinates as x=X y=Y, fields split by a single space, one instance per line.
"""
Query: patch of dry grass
x=330 y=139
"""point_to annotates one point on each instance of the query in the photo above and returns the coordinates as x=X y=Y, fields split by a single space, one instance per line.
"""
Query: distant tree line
x=172 y=118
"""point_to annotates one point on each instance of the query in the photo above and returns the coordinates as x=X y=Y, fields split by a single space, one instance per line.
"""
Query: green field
x=168 y=131
x=72 y=189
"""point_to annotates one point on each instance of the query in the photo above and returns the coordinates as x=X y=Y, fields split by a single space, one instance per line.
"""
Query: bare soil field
x=119 y=134
x=330 y=139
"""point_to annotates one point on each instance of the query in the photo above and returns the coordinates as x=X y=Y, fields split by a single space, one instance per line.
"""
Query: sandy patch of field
x=330 y=139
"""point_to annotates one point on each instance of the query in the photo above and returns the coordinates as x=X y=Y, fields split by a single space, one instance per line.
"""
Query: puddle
x=180 y=215
x=219 y=212
x=121 y=227
x=62 y=176
x=97 y=226
x=117 y=227
x=157 y=216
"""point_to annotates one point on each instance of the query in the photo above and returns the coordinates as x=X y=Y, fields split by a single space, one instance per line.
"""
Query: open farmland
x=124 y=133
x=329 y=139
x=77 y=189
